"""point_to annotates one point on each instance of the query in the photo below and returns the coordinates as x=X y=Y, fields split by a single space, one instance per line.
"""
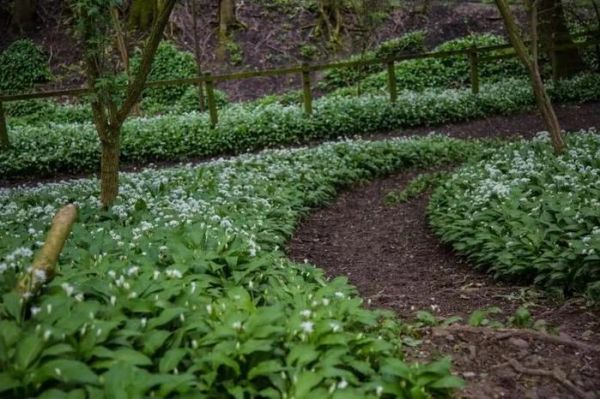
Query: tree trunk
x=4 y=140
x=227 y=18
x=547 y=111
x=330 y=19
x=227 y=22
x=142 y=13
x=121 y=44
x=529 y=58
x=194 y=13
x=555 y=32
x=109 y=170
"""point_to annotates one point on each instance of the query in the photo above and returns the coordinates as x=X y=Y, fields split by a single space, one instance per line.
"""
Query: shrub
x=413 y=42
x=22 y=65
x=169 y=63
x=447 y=72
x=45 y=112
x=46 y=150
x=529 y=215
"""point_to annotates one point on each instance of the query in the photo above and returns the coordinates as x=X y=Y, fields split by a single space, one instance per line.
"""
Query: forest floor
x=390 y=254
x=275 y=35
x=525 y=124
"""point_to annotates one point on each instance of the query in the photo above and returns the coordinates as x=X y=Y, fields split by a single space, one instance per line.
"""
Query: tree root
x=504 y=333
x=555 y=374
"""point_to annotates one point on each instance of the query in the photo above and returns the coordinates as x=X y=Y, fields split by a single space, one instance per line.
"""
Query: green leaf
x=12 y=305
x=302 y=355
x=264 y=369
x=448 y=382
x=7 y=382
x=306 y=381
x=28 y=351
x=153 y=340
x=123 y=355
x=70 y=371
x=171 y=359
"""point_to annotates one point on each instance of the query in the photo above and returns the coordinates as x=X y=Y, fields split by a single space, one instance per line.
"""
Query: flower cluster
x=529 y=214
x=74 y=147
x=181 y=288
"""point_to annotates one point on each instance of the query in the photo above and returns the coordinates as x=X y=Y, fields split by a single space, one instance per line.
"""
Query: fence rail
x=475 y=56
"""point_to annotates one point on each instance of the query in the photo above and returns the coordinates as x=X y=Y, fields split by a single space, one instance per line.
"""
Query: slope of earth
x=396 y=262
x=279 y=34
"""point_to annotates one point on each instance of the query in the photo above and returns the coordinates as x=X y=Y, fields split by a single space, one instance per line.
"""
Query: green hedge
x=75 y=148
x=529 y=215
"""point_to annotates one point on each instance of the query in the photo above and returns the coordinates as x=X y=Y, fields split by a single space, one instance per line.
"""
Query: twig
x=504 y=333
x=555 y=374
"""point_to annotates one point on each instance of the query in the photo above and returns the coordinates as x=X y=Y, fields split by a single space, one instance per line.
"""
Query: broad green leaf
x=28 y=351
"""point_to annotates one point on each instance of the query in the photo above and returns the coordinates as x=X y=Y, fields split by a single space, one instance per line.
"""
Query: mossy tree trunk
x=108 y=114
x=121 y=44
x=330 y=20
x=529 y=58
x=143 y=13
x=227 y=22
x=197 y=53
x=555 y=32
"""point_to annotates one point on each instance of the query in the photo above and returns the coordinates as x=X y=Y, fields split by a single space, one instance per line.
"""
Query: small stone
x=450 y=337
x=519 y=343
x=469 y=374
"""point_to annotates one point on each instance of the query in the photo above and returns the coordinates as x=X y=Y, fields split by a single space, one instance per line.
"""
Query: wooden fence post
x=201 y=100
x=4 y=141
x=474 y=68
x=391 y=69
x=212 y=104
x=306 y=89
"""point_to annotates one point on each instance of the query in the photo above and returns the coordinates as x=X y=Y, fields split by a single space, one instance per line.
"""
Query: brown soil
x=396 y=261
x=274 y=37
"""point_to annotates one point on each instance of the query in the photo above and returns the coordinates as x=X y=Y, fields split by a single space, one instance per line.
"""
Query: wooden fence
x=475 y=56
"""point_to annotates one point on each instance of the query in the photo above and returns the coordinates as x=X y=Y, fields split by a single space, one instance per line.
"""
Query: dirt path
x=396 y=262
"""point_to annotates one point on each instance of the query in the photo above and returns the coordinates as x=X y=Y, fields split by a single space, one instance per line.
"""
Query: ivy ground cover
x=182 y=290
x=529 y=215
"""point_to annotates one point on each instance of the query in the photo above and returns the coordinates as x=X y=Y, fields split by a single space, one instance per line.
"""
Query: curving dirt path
x=396 y=262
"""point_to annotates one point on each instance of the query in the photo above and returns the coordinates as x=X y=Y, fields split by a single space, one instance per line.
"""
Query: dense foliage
x=447 y=72
x=410 y=43
x=169 y=63
x=529 y=215
x=182 y=290
x=22 y=65
x=44 y=150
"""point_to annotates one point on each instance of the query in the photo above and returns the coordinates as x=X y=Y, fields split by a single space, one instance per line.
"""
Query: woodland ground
x=526 y=124
x=274 y=38
x=396 y=261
